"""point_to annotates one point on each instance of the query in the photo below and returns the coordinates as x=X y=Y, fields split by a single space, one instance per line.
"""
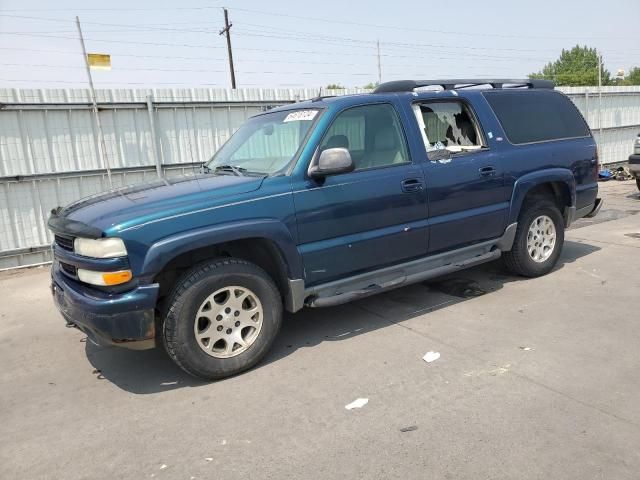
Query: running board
x=337 y=293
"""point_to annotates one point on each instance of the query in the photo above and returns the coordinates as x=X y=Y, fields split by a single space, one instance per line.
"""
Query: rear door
x=369 y=218
x=467 y=201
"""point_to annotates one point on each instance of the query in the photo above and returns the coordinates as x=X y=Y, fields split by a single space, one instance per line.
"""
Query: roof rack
x=410 y=85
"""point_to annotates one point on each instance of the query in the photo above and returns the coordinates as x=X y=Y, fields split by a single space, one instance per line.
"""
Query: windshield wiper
x=237 y=171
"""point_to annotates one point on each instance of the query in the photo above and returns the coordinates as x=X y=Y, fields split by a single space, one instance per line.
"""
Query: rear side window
x=448 y=125
x=537 y=116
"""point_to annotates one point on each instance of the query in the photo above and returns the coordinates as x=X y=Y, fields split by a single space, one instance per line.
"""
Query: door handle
x=487 y=171
x=411 y=185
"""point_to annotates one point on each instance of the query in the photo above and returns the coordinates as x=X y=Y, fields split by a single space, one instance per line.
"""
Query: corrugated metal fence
x=50 y=153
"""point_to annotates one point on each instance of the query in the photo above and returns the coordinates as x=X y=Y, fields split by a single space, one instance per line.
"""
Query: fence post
x=586 y=105
x=157 y=151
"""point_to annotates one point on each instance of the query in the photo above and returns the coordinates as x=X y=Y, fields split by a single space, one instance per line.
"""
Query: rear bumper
x=572 y=214
x=123 y=319
x=596 y=208
x=634 y=165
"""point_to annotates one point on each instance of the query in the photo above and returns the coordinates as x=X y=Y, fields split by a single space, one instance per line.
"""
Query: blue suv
x=323 y=202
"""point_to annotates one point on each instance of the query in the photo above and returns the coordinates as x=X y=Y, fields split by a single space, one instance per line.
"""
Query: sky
x=164 y=44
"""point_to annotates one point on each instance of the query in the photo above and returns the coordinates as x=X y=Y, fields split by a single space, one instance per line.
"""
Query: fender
x=165 y=250
x=525 y=183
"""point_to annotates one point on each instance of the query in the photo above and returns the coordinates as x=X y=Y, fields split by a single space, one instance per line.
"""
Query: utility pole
x=226 y=31
x=94 y=103
x=379 y=64
x=600 y=97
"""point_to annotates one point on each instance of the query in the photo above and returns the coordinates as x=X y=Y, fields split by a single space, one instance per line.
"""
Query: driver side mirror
x=331 y=162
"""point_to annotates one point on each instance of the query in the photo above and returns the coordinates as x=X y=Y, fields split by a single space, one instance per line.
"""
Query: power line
x=315 y=52
x=119 y=9
x=387 y=44
x=405 y=28
x=115 y=55
x=115 y=41
x=133 y=26
x=69 y=52
x=273 y=32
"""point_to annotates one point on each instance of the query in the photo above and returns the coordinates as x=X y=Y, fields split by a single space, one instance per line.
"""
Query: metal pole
x=379 y=64
x=226 y=31
x=600 y=96
x=586 y=104
x=156 y=144
x=103 y=149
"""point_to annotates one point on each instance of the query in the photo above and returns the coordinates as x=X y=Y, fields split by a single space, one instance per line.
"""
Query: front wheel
x=539 y=239
x=222 y=318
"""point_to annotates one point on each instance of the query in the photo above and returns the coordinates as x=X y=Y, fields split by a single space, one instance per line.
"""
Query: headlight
x=104 y=278
x=100 y=248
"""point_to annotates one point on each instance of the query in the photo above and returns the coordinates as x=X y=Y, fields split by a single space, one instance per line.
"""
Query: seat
x=386 y=150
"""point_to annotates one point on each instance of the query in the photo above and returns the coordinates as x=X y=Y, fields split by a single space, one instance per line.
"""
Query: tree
x=575 y=67
x=371 y=85
x=632 y=78
x=334 y=86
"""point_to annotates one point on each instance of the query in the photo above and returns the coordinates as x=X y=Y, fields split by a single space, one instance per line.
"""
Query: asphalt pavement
x=537 y=378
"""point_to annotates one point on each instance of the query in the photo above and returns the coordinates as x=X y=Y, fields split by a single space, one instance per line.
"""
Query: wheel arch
x=266 y=243
x=558 y=184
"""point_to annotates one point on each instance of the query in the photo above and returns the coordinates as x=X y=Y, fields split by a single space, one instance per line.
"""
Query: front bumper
x=124 y=319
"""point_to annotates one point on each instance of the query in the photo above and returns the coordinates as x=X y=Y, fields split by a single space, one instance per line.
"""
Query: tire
x=519 y=260
x=638 y=183
x=192 y=331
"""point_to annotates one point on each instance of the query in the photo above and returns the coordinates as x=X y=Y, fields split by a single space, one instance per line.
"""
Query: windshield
x=264 y=144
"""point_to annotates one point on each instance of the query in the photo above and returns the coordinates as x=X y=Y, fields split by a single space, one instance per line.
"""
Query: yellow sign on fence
x=100 y=61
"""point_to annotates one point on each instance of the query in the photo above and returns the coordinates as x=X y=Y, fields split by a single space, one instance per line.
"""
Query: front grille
x=64 y=242
x=69 y=269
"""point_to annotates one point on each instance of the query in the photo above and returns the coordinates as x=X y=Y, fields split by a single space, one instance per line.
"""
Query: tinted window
x=537 y=116
x=371 y=133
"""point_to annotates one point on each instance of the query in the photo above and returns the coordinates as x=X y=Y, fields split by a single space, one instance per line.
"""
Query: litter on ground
x=357 y=403
x=431 y=356
x=409 y=429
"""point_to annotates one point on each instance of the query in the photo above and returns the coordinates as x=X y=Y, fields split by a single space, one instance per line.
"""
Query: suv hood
x=156 y=199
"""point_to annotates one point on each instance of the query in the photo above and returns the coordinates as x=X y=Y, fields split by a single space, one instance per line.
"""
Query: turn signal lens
x=104 y=279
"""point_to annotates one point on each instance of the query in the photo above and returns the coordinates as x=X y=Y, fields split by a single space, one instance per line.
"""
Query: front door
x=369 y=218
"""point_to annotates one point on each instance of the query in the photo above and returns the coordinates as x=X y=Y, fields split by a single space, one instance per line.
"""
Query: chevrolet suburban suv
x=323 y=202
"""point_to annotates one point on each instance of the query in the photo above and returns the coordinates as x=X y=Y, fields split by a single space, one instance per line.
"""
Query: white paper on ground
x=431 y=356
x=357 y=403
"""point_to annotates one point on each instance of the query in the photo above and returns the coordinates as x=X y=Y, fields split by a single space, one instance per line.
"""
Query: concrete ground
x=537 y=379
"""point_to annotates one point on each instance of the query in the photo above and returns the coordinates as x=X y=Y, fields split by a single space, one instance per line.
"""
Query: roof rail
x=410 y=85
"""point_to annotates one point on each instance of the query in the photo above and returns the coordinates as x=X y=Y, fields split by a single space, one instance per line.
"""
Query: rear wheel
x=539 y=239
x=222 y=318
x=638 y=183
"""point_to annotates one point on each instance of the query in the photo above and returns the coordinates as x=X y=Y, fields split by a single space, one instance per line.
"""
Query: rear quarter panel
x=575 y=155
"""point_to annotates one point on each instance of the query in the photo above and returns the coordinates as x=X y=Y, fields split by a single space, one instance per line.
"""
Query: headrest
x=338 y=141
x=385 y=139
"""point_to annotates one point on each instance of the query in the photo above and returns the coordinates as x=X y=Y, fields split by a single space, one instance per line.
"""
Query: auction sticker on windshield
x=300 y=115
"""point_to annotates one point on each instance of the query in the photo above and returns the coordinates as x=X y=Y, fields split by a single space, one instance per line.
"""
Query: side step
x=406 y=277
